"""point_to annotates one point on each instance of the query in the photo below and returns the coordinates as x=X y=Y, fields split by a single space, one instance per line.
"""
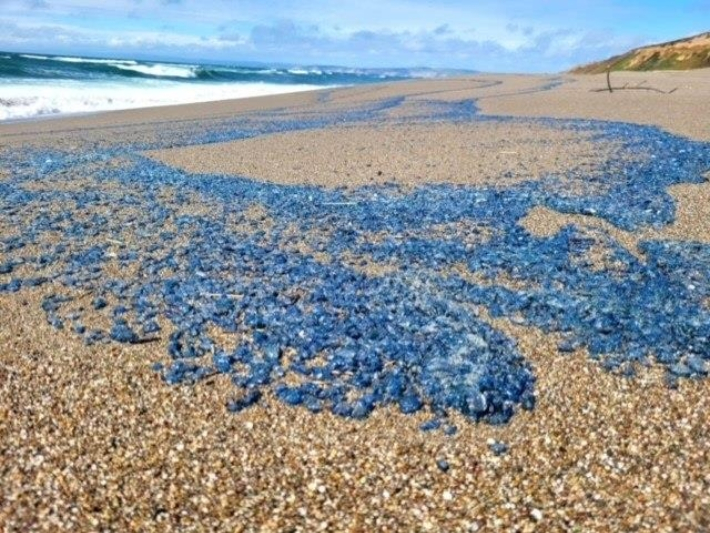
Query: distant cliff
x=683 y=54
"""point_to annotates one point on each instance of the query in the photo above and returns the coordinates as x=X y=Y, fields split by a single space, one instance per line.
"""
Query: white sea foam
x=162 y=70
x=305 y=71
x=31 y=98
x=33 y=56
x=66 y=59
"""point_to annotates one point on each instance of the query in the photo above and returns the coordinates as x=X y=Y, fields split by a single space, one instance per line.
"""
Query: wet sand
x=92 y=439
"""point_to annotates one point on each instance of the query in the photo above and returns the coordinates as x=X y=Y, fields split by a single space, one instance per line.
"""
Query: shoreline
x=64 y=85
x=523 y=99
x=474 y=292
x=81 y=114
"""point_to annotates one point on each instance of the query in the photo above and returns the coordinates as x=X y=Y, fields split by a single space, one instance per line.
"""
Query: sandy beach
x=176 y=282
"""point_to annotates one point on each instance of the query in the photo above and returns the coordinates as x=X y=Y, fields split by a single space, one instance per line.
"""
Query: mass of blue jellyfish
x=348 y=300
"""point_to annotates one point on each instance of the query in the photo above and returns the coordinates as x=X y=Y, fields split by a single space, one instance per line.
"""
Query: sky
x=485 y=35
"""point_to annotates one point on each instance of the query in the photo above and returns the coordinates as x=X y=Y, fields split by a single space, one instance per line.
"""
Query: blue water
x=34 y=85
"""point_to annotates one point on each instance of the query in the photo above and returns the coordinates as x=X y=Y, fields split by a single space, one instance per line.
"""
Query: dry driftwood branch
x=608 y=79
x=635 y=88
x=638 y=87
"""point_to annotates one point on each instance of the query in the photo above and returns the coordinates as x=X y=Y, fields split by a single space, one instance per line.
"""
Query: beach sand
x=92 y=439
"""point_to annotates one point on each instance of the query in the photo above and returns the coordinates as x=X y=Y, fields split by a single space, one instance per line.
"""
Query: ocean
x=37 y=85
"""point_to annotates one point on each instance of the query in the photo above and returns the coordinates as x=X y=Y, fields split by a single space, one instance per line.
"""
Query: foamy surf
x=39 y=85
x=29 y=100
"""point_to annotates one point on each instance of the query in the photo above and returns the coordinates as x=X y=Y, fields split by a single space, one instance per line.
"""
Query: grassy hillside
x=683 y=54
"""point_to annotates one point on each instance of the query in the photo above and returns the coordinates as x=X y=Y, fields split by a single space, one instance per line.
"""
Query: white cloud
x=519 y=35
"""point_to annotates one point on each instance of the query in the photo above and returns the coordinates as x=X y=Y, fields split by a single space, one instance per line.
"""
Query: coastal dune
x=93 y=438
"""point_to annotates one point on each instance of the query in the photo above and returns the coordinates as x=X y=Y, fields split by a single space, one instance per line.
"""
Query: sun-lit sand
x=92 y=439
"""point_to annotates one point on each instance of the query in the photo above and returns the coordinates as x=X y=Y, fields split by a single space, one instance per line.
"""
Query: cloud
x=516 y=28
x=73 y=40
x=20 y=35
x=287 y=41
x=356 y=32
x=547 y=50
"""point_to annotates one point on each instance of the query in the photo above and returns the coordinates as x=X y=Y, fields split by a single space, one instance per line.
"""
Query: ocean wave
x=33 y=56
x=162 y=70
x=68 y=67
x=35 y=84
x=299 y=71
x=158 y=70
x=69 y=59
x=28 y=100
x=120 y=67
x=364 y=73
